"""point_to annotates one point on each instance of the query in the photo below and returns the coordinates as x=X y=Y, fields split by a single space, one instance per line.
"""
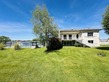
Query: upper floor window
x=90 y=41
x=65 y=37
x=90 y=34
x=77 y=36
x=70 y=36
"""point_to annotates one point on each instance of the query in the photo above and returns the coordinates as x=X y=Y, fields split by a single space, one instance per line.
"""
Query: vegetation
x=36 y=39
x=70 y=64
x=2 y=46
x=105 y=21
x=16 y=46
x=44 y=26
x=4 y=39
x=78 y=44
x=54 y=44
x=102 y=53
x=106 y=45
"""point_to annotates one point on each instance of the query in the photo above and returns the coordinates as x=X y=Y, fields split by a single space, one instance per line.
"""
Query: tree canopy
x=4 y=39
x=44 y=27
x=105 y=21
x=35 y=39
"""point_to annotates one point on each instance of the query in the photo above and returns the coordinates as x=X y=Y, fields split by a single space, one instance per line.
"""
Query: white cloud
x=11 y=27
x=67 y=20
x=72 y=17
x=98 y=14
x=15 y=7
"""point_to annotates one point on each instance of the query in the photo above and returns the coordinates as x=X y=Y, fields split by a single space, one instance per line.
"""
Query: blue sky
x=15 y=15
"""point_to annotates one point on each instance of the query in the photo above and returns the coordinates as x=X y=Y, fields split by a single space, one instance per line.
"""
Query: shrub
x=101 y=54
x=54 y=44
x=16 y=47
x=2 y=46
x=78 y=45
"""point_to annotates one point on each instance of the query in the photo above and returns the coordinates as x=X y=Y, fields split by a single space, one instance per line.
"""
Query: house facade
x=88 y=37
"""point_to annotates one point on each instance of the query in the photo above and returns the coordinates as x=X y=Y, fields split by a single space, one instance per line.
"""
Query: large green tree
x=44 y=26
x=4 y=39
x=105 y=21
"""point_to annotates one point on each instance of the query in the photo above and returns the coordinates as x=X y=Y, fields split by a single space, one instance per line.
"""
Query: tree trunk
x=46 y=39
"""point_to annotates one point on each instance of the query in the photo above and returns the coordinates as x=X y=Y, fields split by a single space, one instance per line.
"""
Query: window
x=90 y=41
x=70 y=36
x=90 y=34
x=65 y=37
x=77 y=36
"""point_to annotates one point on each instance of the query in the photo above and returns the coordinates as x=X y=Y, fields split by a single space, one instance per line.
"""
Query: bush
x=36 y=46
x=2 y=46
x=78 y=45
x=54 y=44
x=16 y=47
x=101 y=54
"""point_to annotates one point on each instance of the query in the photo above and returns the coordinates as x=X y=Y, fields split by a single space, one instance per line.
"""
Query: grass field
x=70 y=64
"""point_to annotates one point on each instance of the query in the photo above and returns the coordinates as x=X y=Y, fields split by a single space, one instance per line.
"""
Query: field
x=70 y=64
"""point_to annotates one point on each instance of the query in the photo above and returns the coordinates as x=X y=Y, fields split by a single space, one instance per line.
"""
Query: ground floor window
x=90 y=41
x=68 y=43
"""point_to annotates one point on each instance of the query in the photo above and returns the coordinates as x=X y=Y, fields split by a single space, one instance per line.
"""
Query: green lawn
x=70 y=64
x=105 y=45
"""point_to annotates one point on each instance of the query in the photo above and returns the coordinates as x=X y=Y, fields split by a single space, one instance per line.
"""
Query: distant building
x=22 y=43
x=88 y=37
x=104 y=41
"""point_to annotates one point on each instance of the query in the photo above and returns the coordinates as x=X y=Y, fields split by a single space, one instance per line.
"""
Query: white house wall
x=83 y=36
x=95 y=39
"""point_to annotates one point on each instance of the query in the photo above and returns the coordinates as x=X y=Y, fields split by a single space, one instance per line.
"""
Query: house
x=87 y=37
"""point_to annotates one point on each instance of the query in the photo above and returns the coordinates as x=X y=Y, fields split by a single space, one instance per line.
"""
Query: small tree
x=44 y=27
x=4 y=39
x=105 y=21
x=2 y=46
x=17 y=46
